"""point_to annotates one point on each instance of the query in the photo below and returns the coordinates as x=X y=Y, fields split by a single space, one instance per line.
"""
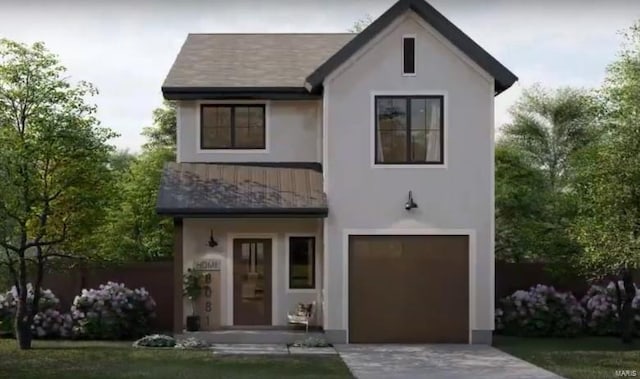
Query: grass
x=583 y=358
x=112 y=360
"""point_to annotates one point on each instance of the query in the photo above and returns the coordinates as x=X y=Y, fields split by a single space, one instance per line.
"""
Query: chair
x=303 y=315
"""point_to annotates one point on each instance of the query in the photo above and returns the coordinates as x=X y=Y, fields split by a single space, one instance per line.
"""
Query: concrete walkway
x=268 y=349
x=436 y=361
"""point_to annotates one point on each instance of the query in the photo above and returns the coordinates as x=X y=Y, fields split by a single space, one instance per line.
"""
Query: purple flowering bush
x=112 y=311
x=601 y=306
x=540 y=312
x=49 y=322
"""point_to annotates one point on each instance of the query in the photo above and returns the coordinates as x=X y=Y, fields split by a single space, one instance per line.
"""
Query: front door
x=251 y=281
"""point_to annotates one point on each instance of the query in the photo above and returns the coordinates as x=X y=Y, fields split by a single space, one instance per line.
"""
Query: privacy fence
x=157 y=278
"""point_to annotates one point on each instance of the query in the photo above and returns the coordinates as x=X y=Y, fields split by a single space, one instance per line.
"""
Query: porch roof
x=247 y=189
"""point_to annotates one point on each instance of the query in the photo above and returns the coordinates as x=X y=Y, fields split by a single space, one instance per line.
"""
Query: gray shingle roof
x=251 y=60
x=206 y=189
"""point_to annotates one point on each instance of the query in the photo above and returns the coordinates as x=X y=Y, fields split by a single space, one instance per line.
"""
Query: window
x=409 y=129
x=232 y=127
x=408 y=55
x=302 y=269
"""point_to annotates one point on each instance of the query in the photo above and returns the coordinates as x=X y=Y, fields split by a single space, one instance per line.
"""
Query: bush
x=540 y=312
x=601 y=308
x=192 y=343
x=155 y=340
x=311 y=342
x=112 y=312
x=49 y=322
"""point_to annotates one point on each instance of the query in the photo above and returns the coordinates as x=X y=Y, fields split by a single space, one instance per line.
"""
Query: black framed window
x=226 y=126
x=409 y=55
x=302 y=257
x=409 y=130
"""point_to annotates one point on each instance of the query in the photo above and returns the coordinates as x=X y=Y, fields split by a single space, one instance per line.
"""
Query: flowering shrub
x=602 y=310
x=192 y=343
x=49 y=322
x=155 y=340
x=540 y=311
x=112 y=311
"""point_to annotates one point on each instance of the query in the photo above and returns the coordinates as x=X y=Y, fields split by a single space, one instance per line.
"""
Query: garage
x=408 y=289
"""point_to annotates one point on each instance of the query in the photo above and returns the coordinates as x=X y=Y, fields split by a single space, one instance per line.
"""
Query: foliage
x=155 y=340
x=53 y=169
x=162 y=134
x=540 y=312
x=48 y=322
x=602 y=316
x=192 y=286
x=192 y=343
x=311 y=342
x=112 y=311
x=361 y=24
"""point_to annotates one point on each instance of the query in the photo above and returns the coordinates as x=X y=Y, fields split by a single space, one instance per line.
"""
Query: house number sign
x=209 y=304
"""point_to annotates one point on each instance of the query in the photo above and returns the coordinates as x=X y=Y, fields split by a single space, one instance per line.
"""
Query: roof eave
x=248 y=93
x=243 y=212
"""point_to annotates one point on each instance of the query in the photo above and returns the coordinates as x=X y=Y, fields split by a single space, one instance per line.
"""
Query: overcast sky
x=126 y=48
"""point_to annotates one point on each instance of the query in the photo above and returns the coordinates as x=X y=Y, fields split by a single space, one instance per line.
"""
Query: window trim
x=415 y=58
x=266 y=105
x=443 y=129
x=315 y=271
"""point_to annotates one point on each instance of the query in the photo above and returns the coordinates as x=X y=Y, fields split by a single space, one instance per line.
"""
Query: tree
x=53 y=167
x=361 y=24
x=608 y=183
x=163 y=132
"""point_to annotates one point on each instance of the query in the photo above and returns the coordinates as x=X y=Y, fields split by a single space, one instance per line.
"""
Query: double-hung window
x=409 y=129
x=226 y=126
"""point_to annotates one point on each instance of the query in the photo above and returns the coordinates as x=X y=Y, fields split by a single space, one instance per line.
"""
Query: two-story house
x=353 y=170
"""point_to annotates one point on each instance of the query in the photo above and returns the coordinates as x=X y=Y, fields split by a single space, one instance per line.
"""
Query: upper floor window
x=409 y=129
x=408 y=55
x=232 y=126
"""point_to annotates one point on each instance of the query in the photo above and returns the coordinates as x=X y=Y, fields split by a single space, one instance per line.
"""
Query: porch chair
x=303 y=315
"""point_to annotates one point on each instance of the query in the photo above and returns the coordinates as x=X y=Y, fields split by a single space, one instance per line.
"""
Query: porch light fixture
x=212 y=241
x=410 y=204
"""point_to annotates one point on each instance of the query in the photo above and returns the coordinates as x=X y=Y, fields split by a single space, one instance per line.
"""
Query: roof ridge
x=272 y=34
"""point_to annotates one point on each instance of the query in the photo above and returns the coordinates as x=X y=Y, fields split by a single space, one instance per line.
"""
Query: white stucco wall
x=362 y=196
x=293 y=133
x=195 y=247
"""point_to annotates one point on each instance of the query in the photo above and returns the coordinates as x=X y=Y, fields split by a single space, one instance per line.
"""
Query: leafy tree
x=608 y=183
x=53 y=170
x=361 y=24
x=163 y=132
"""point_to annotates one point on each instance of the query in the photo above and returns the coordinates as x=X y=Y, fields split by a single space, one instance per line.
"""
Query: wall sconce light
x=212 y=241
x=410 y=204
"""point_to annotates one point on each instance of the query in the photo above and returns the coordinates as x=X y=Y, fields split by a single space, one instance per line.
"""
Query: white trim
x=492 y=210
x=267 y=127
x=316 y=263
x=471 y=233
x=415 y=55
x=274 y=287
x=372 y=128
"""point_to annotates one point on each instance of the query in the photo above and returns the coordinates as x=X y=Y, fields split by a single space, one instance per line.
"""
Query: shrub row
x=112 y=311
x=542 y=311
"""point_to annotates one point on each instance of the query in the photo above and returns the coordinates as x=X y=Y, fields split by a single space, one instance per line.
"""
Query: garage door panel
x=408 y=289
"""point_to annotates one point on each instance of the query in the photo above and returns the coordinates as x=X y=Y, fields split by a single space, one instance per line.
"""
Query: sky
x=126 y=47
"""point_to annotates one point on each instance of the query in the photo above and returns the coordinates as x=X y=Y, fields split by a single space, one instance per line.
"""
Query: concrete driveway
x=436 y=361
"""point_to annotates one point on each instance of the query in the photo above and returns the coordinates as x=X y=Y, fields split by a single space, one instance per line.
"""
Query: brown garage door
x=408 y=289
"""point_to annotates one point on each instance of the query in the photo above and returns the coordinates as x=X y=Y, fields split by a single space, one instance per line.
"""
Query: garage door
x=408 y=289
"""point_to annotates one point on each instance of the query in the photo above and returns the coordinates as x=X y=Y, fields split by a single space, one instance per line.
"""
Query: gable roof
x=503 y=77
x=293 y=66
x=210 y=63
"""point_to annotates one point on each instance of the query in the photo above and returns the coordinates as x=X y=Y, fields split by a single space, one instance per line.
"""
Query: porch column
x=177 y=276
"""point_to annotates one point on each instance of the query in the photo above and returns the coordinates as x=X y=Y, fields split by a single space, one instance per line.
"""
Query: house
x=353 y=170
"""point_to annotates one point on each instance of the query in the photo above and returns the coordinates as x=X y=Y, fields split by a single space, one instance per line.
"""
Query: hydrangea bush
x=112 y=311
x=49 y=322
x=540 y=311
x=601 y=307
x=155 y=340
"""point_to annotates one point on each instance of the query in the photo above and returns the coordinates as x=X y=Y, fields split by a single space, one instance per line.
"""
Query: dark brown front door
x=408 y=289
x=252 y=281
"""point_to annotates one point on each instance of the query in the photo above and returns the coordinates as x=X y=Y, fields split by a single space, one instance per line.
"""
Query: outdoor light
x=212 y=241
x=410 y=204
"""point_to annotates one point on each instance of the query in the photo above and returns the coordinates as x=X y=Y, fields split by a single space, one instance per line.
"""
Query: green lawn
x=579 y=358
x=109 y=360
